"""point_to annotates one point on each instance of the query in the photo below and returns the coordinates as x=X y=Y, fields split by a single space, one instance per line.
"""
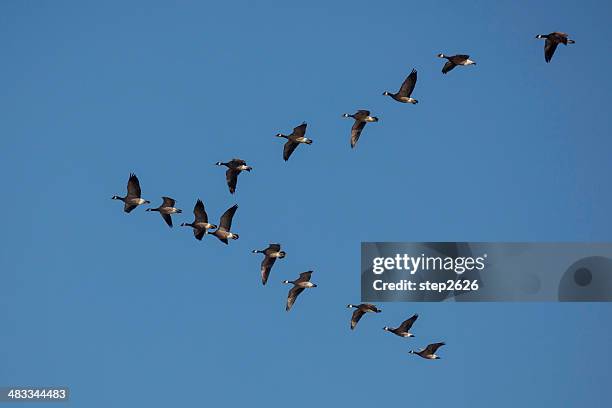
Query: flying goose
x=272 y=252
x=429 y=352
x=552 y=40
x=361 y=310
x=294 y=140
x=361 y=118
x=167 y=208
x=403 y=328
x=225 y=225
x=299 y=285
x=200 y=224
x=403 y=95
x=455 y=60
x=132 y=199
x=234 y=168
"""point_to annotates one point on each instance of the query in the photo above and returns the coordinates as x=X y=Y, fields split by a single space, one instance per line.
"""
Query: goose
x=200 y=224
x=294 y=140
x=429 y=352
x=272 y=252
x=166 y=209
x=455 y=60
x=361 y=118
x=403 y=328
x=132 y=199
x=403 y=95
x=299 y=285
x=361 y=310
x=552 y=40
x=225 y=225
x=234 y=168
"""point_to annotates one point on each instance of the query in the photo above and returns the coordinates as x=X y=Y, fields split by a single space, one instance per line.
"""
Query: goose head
x=386 y=93
x=281 y=135
x=115 y=197
x=282 y=254
x=386 y=328
x=441 y=55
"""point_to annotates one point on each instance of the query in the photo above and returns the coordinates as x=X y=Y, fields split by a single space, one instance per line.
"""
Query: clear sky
x=128 y=312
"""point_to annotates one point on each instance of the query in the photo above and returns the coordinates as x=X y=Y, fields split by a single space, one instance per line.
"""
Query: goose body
x=403 y=329
x=200 y=223
x=455 y=60
x=223 y=231
x=297 y=137
x=405 y=91
x=552 y=40
x=132 y=198
x=301 y=283
x=234 y=168
x=360 y=311
x=166 y=209
x=429 y=352
x=272 y=253
x=361 y=118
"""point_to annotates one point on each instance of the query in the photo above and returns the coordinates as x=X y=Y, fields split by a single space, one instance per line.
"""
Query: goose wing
x=168 y=202
x=290 y=146
x=549 y=49
x=304 y=277
x=231 y=176
x=293 y=294
x=236 y=162
x=133 y=187
x=167 y=218
x=368 y=306
x=448 y=67
x=200 y=212
x=226 y=219
x=356 y=132
x=266 y=267
x=299 y=131
x=128 y=207
x=356 y=317
x=408 y=84
x=432 y=348
x=272 y=248
x=361 y=114
x=407 y=324
x=198 y=233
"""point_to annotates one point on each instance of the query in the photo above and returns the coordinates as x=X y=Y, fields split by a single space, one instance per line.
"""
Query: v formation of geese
x=223 y=231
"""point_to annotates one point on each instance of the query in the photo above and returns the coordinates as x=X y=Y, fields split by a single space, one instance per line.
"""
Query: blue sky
x=127 y=312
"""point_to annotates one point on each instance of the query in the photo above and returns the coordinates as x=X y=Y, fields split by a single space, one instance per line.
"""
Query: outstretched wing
x=133 y=187
x=407 y=324
x=448 y=67
x=128 y=207
x=272 y=248
x=356 y=317
x=293 y=294
x=168 y=202
x=431 y=349
x=289 y=148
x=198 y=233
x=200 y=212
x=304 y=277
x=167 y=218
x=226 y=219
x=231 y=175
x=266 y=267
x=356 y=132
x=299 y=131
x=408 y=85
x=549 y=49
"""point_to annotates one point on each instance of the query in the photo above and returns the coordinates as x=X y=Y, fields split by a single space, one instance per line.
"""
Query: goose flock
x=223 y=231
